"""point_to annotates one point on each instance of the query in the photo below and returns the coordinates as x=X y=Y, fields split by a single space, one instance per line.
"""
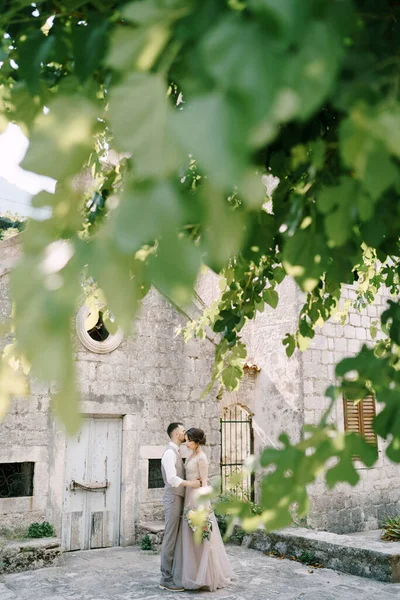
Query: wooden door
x=91 y=506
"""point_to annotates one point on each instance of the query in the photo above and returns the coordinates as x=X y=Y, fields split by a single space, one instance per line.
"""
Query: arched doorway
x=237 y=444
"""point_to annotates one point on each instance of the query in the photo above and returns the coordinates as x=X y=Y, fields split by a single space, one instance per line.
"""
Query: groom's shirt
x=168 y=461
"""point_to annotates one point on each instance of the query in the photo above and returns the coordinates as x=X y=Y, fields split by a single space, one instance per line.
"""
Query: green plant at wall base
x=391 y=529
x=39 y=530
x=308 y=558
x=237 y=536
x=200 y=99
x=146 y=543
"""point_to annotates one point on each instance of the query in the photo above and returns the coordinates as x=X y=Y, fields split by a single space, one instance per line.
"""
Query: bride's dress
x=206 y=564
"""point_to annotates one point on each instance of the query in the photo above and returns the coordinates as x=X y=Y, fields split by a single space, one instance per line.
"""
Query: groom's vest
x=180 y=471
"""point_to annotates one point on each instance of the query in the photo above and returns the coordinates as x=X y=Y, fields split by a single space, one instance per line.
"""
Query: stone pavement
x=131 y=574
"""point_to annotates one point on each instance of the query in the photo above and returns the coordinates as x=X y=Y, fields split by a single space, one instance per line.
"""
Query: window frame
x=364 y=412
x=153 y=487
x=31 y=475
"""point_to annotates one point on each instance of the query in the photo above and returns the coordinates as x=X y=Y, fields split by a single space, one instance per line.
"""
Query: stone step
x=363 y=554
x=24 y=555
x=154 y=531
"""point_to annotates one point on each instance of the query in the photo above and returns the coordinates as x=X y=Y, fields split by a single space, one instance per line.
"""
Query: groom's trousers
x=173 y=506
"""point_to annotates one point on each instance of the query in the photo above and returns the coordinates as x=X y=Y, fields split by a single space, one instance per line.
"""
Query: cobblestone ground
x=131 y=574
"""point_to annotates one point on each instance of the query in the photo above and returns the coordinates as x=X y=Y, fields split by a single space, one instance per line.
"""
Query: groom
x=173 y=473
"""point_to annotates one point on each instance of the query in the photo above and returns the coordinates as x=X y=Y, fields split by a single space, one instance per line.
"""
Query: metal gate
x=237 y=444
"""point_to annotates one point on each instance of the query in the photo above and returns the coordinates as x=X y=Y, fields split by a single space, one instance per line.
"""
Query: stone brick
x=315 y=370
x=354 y=346
x=319 y=342
x=327 y=357
x=329 y=329
x=365 y=322
x=308 y=387
x=341 y=345
x=316 y=356
x=349 y=331
x=339 y=331
x=355 y=319
x=361 y=334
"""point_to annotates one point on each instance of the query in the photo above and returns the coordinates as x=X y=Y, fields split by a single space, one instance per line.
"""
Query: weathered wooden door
x=91 y=506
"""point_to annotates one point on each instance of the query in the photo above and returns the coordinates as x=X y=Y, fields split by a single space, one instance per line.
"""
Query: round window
x=93 y=332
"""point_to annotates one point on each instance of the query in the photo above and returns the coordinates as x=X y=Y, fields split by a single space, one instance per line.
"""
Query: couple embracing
x=185 y=563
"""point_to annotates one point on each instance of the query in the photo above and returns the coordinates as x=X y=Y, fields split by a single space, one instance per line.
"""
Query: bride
x=203 y=565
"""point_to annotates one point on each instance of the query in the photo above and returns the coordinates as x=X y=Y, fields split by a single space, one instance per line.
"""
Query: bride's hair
x=196 y=435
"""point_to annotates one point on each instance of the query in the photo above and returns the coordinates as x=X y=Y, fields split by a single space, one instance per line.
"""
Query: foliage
x=10 y=225
x=146 y=543
x=237 y=536
x=391 y=529
x=228 y=525
x=309 y=558
x=39 y=530
x=174 y=109
x=305 y=557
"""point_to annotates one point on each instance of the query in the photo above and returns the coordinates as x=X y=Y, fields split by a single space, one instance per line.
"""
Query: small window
x=16 y=479
x=99 y=333
x=155 y=475
x=96 y=337
x=359 y=417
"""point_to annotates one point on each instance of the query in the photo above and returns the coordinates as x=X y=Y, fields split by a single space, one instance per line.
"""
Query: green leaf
x=304 y=257
x=213 y=117
x=279 y=274
x=146 y=211
x=33 y=53
x=311 y=73
x=392 y=316
x=139 y=119
x=147 y=12
x=270 y=296
x=366 y=156
x=117 y=275
x=223 y=230
x=62 y=140
x=65 y=404
x=343 y=471
x=387 y=127
x=92 y=319
x=234 y=53
x=337 y=205
x=126 y=44
x=288 y=17
x=111 y=326
x=290 y=342
x=175 y=267
x=380 y=173
x=231 y=377
x=90 y=41
x=373 y=329
x=23 y=109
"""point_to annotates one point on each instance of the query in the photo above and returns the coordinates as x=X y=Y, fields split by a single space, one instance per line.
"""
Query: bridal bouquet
x=199 y=520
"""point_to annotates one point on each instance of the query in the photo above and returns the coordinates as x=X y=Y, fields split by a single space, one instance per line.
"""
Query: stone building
x=98 y=487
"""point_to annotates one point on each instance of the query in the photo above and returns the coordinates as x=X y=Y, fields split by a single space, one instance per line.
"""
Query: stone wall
x=24 y=434
x=29 y=555
x=152 y=378
x=156 y=376
x=273 y=390
x=345 y=508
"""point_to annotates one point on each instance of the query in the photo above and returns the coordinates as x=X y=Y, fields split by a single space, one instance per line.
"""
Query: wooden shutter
x=359 y=416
